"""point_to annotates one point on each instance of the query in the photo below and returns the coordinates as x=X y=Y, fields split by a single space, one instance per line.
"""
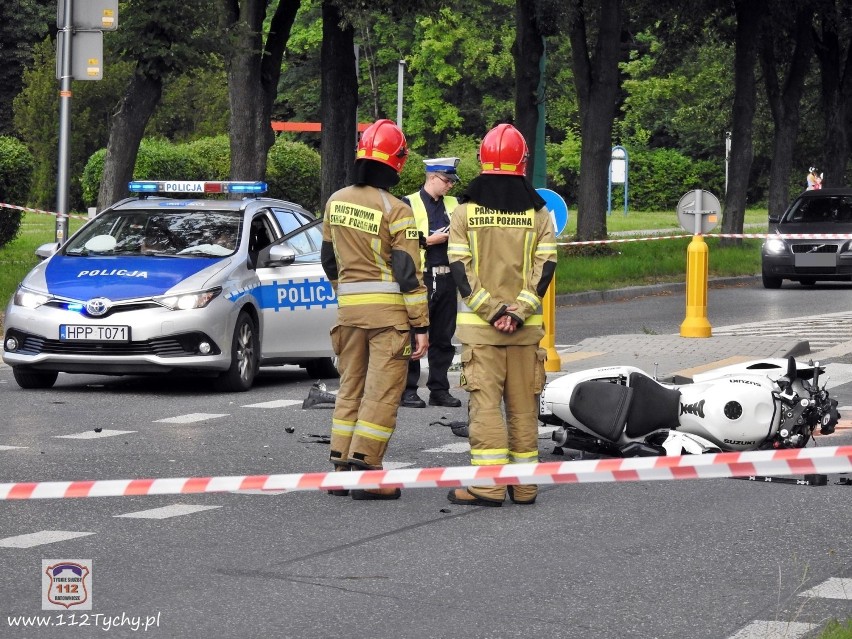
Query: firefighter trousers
x=498 y=376
x=373 y=363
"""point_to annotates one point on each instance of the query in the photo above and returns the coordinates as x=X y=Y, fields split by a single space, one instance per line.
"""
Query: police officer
x=371 y=254
x=432 y=208
x=502 y=255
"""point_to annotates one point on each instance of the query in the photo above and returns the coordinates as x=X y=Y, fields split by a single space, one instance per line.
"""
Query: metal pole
x=399 y=93
x=727 y=157
x=64 y=164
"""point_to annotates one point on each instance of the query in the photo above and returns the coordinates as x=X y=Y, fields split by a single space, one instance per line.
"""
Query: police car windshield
x=159 y=232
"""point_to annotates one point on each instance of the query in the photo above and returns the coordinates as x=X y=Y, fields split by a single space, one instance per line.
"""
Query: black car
x=814 y=240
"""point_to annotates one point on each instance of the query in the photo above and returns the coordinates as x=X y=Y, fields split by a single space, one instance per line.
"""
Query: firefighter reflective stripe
x=380 y=262
x=531 y=299
x=489 y=456
x=503 y=166
x=401 y=225
x=342 y=427
x=411 y=299
x=369 y=298
x=523 y=458
x=467 y=317
x=373 y=431
x=351 y=288
x=546 y=248
x=478 y=299
x=462 y=250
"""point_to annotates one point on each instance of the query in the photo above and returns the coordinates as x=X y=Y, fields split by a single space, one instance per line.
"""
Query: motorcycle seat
x=653 y=408
x=601 y=407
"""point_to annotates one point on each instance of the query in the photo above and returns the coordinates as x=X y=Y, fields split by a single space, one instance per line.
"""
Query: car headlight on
x=30 y=299
x=775 y=246
x=188 y=301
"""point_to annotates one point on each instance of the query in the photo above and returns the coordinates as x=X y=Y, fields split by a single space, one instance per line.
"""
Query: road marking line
x=191 y=417
x=278 y=403
x=578 y=356
x=775 y=630
x=39 y=538
x=455 y=447
x=394 y=465
x=837 y=375
x=90 y=434
x=832 y=588
x=175 y=510
x=12 y=447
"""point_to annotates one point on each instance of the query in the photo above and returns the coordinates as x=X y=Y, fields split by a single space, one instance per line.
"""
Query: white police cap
x=446 y=166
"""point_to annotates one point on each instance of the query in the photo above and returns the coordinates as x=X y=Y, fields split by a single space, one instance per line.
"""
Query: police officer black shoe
x=443 y=398
x=410 y=399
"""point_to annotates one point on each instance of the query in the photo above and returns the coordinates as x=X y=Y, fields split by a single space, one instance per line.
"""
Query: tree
x=748 y=15
x=23 y=24
x=784 y=72
x=339 y=99
x=834 y=51
x=253 y=62
x=528 y=50
x=163 y=37
x=595 y=28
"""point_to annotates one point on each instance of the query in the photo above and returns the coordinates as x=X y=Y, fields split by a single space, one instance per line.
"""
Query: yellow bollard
x=553 y=362
x=696 y=324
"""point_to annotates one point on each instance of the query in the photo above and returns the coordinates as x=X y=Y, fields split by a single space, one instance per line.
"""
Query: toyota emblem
x=97 y=306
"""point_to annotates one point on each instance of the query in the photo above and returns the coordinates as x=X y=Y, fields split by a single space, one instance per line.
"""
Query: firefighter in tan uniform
x=371 y=254
x=502 y=252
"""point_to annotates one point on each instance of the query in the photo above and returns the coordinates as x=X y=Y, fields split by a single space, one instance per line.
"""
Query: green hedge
x=16 y=174
x=293 y=173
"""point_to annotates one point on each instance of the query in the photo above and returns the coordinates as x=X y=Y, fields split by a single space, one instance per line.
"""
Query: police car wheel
x=244 y=357
x=34 y=379
x=322 y=368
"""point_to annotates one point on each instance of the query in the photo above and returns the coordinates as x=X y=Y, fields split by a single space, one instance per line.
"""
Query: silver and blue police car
x=160 y=284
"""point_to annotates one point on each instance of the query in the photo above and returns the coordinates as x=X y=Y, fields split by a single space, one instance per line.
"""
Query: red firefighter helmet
x=383 y=141
x=503 y=151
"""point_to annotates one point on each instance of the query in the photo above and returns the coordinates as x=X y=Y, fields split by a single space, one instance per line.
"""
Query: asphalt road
x=698 y=559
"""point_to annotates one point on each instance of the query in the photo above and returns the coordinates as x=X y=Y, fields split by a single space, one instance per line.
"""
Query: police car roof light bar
x=152 y=186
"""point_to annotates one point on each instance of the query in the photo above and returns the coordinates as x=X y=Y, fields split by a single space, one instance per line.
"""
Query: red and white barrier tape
x=837 y=459
x=40 y=212
x=755 y=236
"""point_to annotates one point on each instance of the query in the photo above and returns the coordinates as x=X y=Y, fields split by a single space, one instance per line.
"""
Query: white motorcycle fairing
x=677 y=443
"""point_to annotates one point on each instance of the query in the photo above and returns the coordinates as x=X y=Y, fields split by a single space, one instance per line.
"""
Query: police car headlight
x=776 y=246
x=30 y=299
x=189 y=301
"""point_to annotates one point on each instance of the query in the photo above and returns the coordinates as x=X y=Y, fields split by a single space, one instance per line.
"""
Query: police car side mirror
x=46 y=250
x=276 y=255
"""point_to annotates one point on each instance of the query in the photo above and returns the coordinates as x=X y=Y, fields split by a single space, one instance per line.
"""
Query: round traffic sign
x=698 y=211
x=557 y=208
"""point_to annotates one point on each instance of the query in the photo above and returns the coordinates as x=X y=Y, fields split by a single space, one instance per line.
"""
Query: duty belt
x=439 y=270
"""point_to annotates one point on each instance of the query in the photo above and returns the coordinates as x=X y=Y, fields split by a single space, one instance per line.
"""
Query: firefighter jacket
x=370 y=252
x=421 y=217
x=499 y=259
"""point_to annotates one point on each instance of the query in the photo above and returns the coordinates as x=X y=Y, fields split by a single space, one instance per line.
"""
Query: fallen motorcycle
x=621 y=411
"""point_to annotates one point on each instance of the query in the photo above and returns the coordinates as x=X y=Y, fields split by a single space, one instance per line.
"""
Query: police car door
x=299 y=306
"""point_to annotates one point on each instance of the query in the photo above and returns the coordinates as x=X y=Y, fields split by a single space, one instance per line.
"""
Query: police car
x=158 y=284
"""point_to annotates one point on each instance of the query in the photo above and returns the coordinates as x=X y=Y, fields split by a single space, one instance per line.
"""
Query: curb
x=633 y=292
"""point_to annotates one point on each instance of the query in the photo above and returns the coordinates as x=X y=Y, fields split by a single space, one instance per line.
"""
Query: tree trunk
x=253 y=72
x=527 y=52
x=748 y=15
x=836 y=75
x=596 y=80
x=125 y=134
x=785 y=101
x=339 y=102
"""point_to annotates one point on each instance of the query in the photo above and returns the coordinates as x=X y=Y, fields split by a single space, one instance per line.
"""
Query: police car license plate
x=81 y=333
